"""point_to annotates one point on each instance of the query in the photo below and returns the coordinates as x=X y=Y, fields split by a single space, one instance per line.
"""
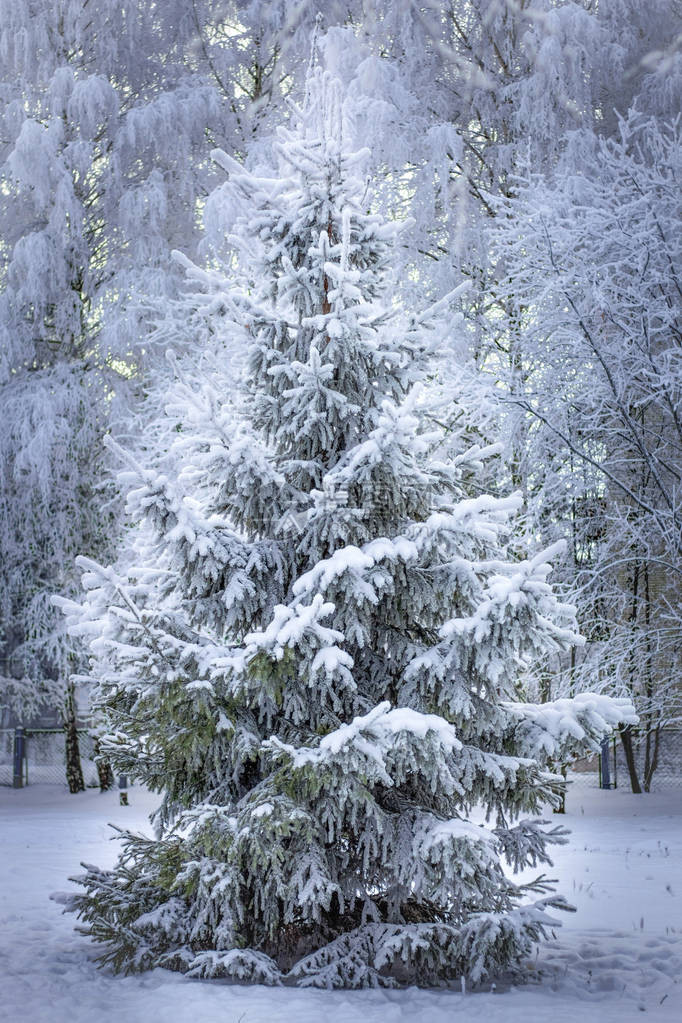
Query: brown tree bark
x=651 y=761
x=625 y=731
x=652 y=747
x=626 y=739
x=105 y=773
x=74 y=770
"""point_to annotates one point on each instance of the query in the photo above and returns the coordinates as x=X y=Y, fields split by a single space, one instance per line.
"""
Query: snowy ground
x=618 y=958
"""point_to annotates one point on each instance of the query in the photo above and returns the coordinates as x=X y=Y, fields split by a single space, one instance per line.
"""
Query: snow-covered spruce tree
x=317 y=654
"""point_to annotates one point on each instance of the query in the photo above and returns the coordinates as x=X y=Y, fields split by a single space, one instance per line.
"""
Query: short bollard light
x=123 y=790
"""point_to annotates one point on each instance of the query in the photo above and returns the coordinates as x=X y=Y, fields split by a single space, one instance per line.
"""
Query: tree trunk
x=105 y=773
x=626 y=738
x=74 y=771
x=561 y=808
x=625 y=731
x=651 y=762
x=651 y=750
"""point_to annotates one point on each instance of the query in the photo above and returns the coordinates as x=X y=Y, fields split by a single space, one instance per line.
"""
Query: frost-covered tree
x=104 y=112
x=315 y=647
x=511 y=78
x=94 y=109
x=577 y=330
x=591 y=276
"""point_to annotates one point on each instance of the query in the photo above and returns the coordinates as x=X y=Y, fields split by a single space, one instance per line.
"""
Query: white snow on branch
x=380 y=727
x=586 y=718
x=355 y=559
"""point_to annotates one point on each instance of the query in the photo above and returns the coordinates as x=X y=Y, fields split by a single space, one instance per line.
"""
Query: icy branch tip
x=556 y=550
x=181 y=258
x=228 y=164
x=121 y=453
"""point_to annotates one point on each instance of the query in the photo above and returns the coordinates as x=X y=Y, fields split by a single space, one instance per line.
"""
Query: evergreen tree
x=316 y=649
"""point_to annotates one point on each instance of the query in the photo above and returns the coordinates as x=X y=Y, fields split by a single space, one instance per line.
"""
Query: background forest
x=534 y=144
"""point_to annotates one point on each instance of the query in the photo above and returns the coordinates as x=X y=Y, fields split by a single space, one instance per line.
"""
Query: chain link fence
x=44 y=760
x=594 y=773
x=6 y=755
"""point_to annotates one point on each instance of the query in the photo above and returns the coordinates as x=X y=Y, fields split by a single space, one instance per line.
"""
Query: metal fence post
x=605 y=776
x=19 y=756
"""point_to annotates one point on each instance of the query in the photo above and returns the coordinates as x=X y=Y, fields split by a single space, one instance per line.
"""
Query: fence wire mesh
x=45 y=760
x=668 y=774
x=45 y=757
x=6 y=755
